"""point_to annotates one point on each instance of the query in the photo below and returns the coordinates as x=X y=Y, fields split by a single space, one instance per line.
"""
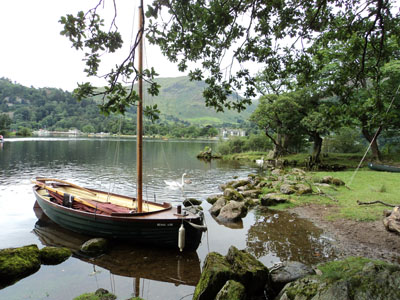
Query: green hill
x=180 y=101
x=183 y=99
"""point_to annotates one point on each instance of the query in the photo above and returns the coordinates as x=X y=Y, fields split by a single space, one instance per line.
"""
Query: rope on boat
x=202 y=228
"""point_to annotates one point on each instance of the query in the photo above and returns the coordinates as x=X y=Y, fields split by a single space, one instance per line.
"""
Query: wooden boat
x=385 y=168
x=102 y=214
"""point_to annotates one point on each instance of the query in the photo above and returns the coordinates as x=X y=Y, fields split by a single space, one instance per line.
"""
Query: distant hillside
x=183 y=99
x=180 y=101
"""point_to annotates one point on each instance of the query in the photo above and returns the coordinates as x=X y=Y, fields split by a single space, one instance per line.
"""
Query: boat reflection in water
x=163 y=265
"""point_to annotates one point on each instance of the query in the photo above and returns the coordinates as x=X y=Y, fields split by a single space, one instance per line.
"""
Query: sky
x=33 y=53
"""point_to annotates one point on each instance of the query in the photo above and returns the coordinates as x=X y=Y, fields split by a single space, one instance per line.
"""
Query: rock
x=212 y=199
x=248 y=270
x=277 y=172
x=302 y=289
x=252 y=176
x=289 y=271
x=239 y=183
x=337 y=182
x=251 y=193
x=216 y=208
x=287 y=189
x=17 y=263
x=392 y=222
x=223 y=186
x=326 y=179
x=232 y=211
x=232 y=290
x=232 y=194
x=272 y=199
x=387 y=212
x=216 y=272
x=322 y=184
x=100 y=294
x=303 y=189
x=297 y=171
x=289 y=181
x=54 y=255
x=95 y=247
x=191 y=202
x=249 y=202
x=352 y=278
x=264 y=184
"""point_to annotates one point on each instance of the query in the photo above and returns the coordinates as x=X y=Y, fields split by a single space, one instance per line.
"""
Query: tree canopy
x=335 y=48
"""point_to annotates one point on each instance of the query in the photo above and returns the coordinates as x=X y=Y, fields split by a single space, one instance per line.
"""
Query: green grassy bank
x=364 y=185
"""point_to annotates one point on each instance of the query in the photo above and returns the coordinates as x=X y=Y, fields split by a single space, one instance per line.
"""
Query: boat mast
x=139 y=112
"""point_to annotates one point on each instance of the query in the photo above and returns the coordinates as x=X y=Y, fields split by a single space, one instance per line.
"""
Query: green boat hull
x=163 y=232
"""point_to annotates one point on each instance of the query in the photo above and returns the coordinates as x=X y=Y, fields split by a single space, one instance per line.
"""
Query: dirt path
x=352 y=238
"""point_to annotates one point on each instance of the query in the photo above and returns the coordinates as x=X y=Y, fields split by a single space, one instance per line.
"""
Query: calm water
x=128 y=271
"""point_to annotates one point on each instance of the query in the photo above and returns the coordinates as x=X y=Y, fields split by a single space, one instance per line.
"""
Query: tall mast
x=139 y=132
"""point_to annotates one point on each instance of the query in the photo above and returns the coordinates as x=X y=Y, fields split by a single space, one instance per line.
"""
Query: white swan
x=260 y=162
x=175 y=184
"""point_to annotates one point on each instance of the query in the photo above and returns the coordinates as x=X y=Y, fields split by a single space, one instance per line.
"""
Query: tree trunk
x=376 y=154
x=317 y=148
x=279 y=144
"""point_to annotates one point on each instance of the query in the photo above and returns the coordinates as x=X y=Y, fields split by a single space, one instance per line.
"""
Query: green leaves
x=86 y=33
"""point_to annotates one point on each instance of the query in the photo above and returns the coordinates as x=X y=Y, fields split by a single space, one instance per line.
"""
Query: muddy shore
x=353 y=238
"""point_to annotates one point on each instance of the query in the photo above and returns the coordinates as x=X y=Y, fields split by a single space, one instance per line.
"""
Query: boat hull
x=384 y=168
x=160 y=229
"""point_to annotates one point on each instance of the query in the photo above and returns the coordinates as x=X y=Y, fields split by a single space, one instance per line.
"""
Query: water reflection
x=126 y=260
x=287 y=237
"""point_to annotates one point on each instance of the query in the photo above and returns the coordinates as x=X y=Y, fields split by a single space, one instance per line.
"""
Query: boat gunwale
x=168 y=214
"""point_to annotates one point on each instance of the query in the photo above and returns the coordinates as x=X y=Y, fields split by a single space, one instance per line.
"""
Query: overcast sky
x=33 y=53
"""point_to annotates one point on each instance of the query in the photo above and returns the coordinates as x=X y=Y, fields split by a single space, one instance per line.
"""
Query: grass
x=349 y=160
x=365 y=186
x=246 y=156
x=347 y=268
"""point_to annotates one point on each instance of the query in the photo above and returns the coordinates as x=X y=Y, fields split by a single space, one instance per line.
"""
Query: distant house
x=228 y=132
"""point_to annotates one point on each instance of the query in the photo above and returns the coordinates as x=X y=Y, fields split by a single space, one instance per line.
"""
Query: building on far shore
x=229 y=132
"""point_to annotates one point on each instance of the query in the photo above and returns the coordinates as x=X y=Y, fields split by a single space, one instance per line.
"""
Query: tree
x=338 y=47
x=5 y=122
x=280 y=118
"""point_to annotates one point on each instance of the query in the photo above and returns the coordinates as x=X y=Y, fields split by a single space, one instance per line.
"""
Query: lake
x=109 y=164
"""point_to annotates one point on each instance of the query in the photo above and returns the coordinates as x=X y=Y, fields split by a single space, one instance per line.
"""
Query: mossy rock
x=352 y=278
x=191 y=202
x=217 y=206
x=337 y=182
x=251 y=193
x=100 y=294
x=272 y=199
x=302 y=189
x=17 y=263
x=248 y=270
x=95 y=247
x=233 y=211
x=216 y=272
x=212 y=199
x=240 y=183
x=232 y=290
x=54 y=255
x=232 y=194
